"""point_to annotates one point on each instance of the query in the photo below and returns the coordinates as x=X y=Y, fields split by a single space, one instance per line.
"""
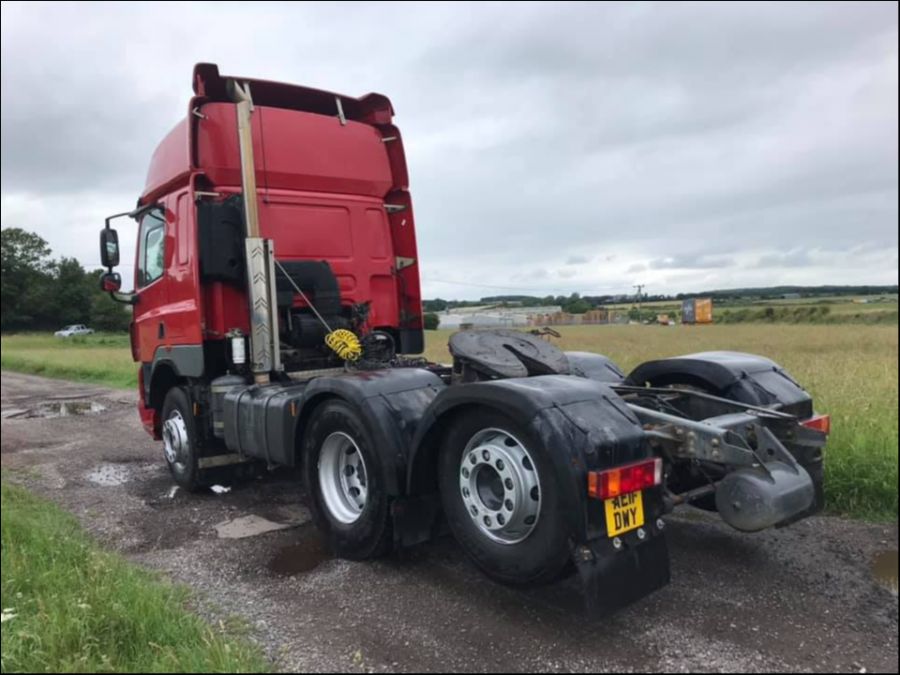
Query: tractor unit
x=277 y=321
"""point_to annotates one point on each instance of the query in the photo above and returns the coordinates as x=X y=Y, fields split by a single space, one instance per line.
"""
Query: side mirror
x=111 y=282
x=109 y=248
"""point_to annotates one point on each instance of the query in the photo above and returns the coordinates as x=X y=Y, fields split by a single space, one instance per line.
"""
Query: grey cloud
x=795 y=258
x=695 y=262
x=578 y=259
x=629 y=132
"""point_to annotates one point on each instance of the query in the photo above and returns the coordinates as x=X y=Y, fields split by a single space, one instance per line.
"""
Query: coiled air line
x=342 y=342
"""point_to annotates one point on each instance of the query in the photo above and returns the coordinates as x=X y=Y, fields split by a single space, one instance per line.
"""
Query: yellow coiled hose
x=344 y=343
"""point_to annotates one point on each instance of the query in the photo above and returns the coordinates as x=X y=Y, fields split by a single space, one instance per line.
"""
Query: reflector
x=819 y=423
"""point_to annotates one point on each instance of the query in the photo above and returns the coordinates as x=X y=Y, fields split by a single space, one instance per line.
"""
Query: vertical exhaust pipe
x=265 y=349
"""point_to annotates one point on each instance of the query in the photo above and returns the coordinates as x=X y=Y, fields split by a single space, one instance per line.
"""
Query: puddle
x=65 y=409
x=109 y=475
x=248 y=526
x=305 y=556
x=884 y=569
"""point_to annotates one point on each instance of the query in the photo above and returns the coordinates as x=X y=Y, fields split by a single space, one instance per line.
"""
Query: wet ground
x=820 y=595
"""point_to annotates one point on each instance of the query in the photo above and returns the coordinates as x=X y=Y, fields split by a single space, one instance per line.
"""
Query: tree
x=575 y=304
x=436 y=305
x=431 y=321
x=72 y=293
x=24 y=277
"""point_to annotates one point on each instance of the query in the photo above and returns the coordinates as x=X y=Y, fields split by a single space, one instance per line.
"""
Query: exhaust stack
x=264 y=344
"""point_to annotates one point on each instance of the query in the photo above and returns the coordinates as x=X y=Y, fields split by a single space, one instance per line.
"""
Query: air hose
x=342 y=342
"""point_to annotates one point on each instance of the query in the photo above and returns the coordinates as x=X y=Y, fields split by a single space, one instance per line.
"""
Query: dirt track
x=802 y=598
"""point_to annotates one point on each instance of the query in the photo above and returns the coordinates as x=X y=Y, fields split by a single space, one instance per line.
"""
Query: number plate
x=624 y=513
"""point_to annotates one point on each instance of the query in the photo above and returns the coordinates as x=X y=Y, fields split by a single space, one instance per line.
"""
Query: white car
x=74 y=329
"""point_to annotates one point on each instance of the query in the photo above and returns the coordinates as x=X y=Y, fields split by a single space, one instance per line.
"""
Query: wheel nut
x=465 y=492
x=508 y=484
x=465 y=472
x=500 y=465
x=508 y=504
x=501 y=519
x=641 y=533
x=486 y=455
x=487 y=521
x=473 y=511
x=660 y=524
x=617 y=543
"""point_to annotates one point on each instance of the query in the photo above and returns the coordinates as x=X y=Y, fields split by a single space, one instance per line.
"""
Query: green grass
x=101 y=359
x=850 y=369
x=75 y=608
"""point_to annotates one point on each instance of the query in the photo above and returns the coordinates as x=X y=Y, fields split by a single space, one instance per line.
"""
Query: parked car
x=74 y=329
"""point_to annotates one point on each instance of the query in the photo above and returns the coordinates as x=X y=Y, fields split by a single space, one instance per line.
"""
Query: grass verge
x=99 y=359
x=70 y=607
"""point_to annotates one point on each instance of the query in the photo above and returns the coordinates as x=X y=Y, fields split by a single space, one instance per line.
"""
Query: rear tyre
x=501 y=499
x=344 y=478
x=180 y=439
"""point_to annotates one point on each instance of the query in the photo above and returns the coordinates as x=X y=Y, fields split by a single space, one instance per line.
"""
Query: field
x=828 y=310
x=851 y=370
x=102 y=359
x=70 y=607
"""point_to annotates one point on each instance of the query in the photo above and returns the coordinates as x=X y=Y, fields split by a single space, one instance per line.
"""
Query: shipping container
x=697 y=310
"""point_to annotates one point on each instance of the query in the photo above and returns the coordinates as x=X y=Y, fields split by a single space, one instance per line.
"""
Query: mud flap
x=613 y=579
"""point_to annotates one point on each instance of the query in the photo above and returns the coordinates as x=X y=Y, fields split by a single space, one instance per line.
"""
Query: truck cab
x=331 y=193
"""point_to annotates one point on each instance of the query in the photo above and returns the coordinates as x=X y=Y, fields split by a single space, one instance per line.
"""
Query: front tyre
x=344 y=478
x=501 y=499
x=180 y=439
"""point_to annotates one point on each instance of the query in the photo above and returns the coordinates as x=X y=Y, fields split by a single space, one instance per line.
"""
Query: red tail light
x=624 y=479
x=819 y=423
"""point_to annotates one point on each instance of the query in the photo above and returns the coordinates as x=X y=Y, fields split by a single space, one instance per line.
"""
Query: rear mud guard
x=612 y=579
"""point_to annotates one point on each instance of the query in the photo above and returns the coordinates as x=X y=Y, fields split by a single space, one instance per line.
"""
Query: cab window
x=151 y=243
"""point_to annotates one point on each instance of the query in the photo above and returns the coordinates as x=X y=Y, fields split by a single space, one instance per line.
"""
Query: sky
x=552 y=148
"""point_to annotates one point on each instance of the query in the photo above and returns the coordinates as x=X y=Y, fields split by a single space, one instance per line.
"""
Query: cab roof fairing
x=174 y=159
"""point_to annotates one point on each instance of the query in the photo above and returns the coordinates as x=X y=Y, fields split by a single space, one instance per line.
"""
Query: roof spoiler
x=370 y=109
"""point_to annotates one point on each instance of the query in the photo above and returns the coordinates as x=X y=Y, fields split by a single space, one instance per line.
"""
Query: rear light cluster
x=624 y=479
x=819 y=423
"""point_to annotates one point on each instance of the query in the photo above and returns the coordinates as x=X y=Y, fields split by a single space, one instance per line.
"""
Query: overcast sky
x=552 y=147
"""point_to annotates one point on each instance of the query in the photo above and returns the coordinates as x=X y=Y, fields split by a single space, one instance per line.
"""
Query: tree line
x=39 y=292
x=578 y=304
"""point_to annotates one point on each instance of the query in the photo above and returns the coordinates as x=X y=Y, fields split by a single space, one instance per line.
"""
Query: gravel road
x=803 y=598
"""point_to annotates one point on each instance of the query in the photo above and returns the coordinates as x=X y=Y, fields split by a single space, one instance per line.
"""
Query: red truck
x=278 y=322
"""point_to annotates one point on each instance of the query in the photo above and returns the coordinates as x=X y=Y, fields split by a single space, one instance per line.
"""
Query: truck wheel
x=179 y=439
x=501 y=500
x=344 y=479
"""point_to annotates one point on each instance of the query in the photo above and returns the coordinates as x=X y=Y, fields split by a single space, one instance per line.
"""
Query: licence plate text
x=624 y=513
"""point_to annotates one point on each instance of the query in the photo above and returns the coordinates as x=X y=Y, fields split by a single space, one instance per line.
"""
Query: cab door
x=149 y=330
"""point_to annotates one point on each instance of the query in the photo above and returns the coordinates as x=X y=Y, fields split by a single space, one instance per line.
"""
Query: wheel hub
x=176 y=441
x=343 y=479
x=500 y=487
